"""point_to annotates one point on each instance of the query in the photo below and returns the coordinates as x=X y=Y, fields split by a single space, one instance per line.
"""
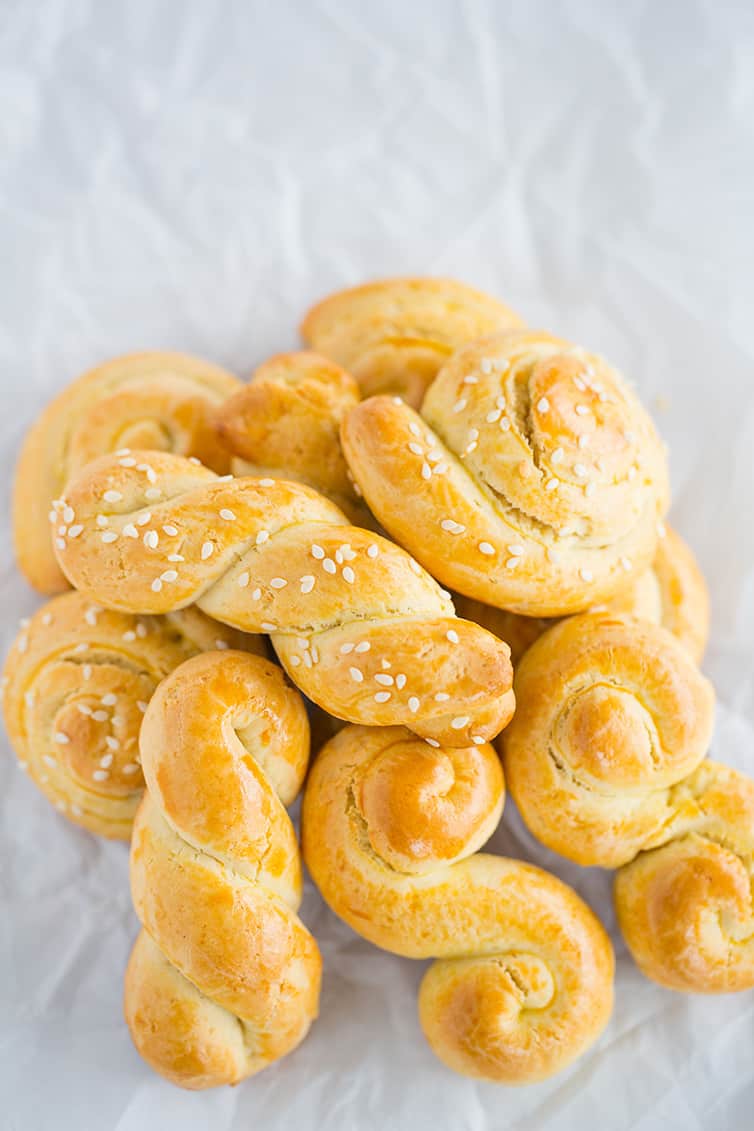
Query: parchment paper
x=192 y=175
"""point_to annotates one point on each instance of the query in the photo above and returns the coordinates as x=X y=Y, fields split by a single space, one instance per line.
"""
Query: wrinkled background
x=192 y=175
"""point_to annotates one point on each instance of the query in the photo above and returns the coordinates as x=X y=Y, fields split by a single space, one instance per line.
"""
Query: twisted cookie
x=672 y=593
x=390 y=830
x=76 y=683
x=145 y=400
x=611 y=712
x=223 y=978
x=534 y=482
x=285 y=424
x=685 y=906
x=393 y=335
x=359 y=626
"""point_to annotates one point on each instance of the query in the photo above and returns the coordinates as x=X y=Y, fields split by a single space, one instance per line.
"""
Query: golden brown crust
x=359 y=626
x=228 y=979
x=685 y=906
x=145 y=400
x=533 y=480
x=611 y=712
x=285 y=424
x=395 y=334
x=390 y=832
x=77 y=680
x=672 y=593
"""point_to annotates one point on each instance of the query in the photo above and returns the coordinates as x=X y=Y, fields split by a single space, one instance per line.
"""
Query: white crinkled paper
x=192 y=175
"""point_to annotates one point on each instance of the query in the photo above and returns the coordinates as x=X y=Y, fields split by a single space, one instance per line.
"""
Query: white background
x=192 y=175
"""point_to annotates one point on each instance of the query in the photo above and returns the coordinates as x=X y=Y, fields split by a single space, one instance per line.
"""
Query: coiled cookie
x=390 y=832
x=77 y=681
x=393 y=335
x=532 y=481
x=156 y=400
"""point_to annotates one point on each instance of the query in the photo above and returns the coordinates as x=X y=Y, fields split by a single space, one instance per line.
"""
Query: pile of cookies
x=258 y=573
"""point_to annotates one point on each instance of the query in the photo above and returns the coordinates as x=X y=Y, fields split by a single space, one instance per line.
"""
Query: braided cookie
x=359 y=626
x=390 y=833
x=285 y=424
x=76 y=683
x=611 y=712
x=394 y=335
x=534 y=482
x=685 y=906
x=672 y=593
x=143 y=400
x=224 y=977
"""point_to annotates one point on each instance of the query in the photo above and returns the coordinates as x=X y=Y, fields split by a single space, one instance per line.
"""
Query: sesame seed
x=90 y=616
x=142 y=705
x=505 y=424
x=459 y=722
x=74 y=531
x=413 y=704
x=348 y=575
x=417 y=449
x=556 y=456
x=222 y=645
x=171 y=531
x=511 y=563
x=452 y=636
x=127 y=461
x=373 y=551
x=68 y=514
x=432 y=742
x=400 y=681
x=278 y=583
x=382 y=697
x=552 y=484
x=339 y=556
x=586 y=574
x=494 y=416
x=268 y=626
x=101 y=775
x=356 y=675
x=108 y=536
x=590 y=489
x=581 y=470
x=328 y=565
x=111 y=743
x=130 y=531
x=434 y=456
x=256 y=594
x=441 y=697
x=317 y=552
x=346 y=649
x=61 y=738
x=426 y=471
x=471 y=380
x=102 y=520
x=129 y=636
x=112 y=496
x=109 y=700
x=414 y=428
x=582 y=410
x=486 y=548
x=460 y=405
x=62 y=529
x=144 y=518
x=131 y=768
x=385 y=665
x=295 y=661
x=151 y=539
x=473 y=434
x=516 y=550
x=86 y=671
x=451 y=526
x=384 y=679
x=60 y=543
x=477 y=740
x=543 y=405
x=307 y=583
x=227 y=514
x=486 y=365
x=208 y=549
x=169 y=575
x=266 y=482
x=243 y=579
x=364 y=646
x=152 y=493
x=49 y=760
x=176 y=558
x=156 y=585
